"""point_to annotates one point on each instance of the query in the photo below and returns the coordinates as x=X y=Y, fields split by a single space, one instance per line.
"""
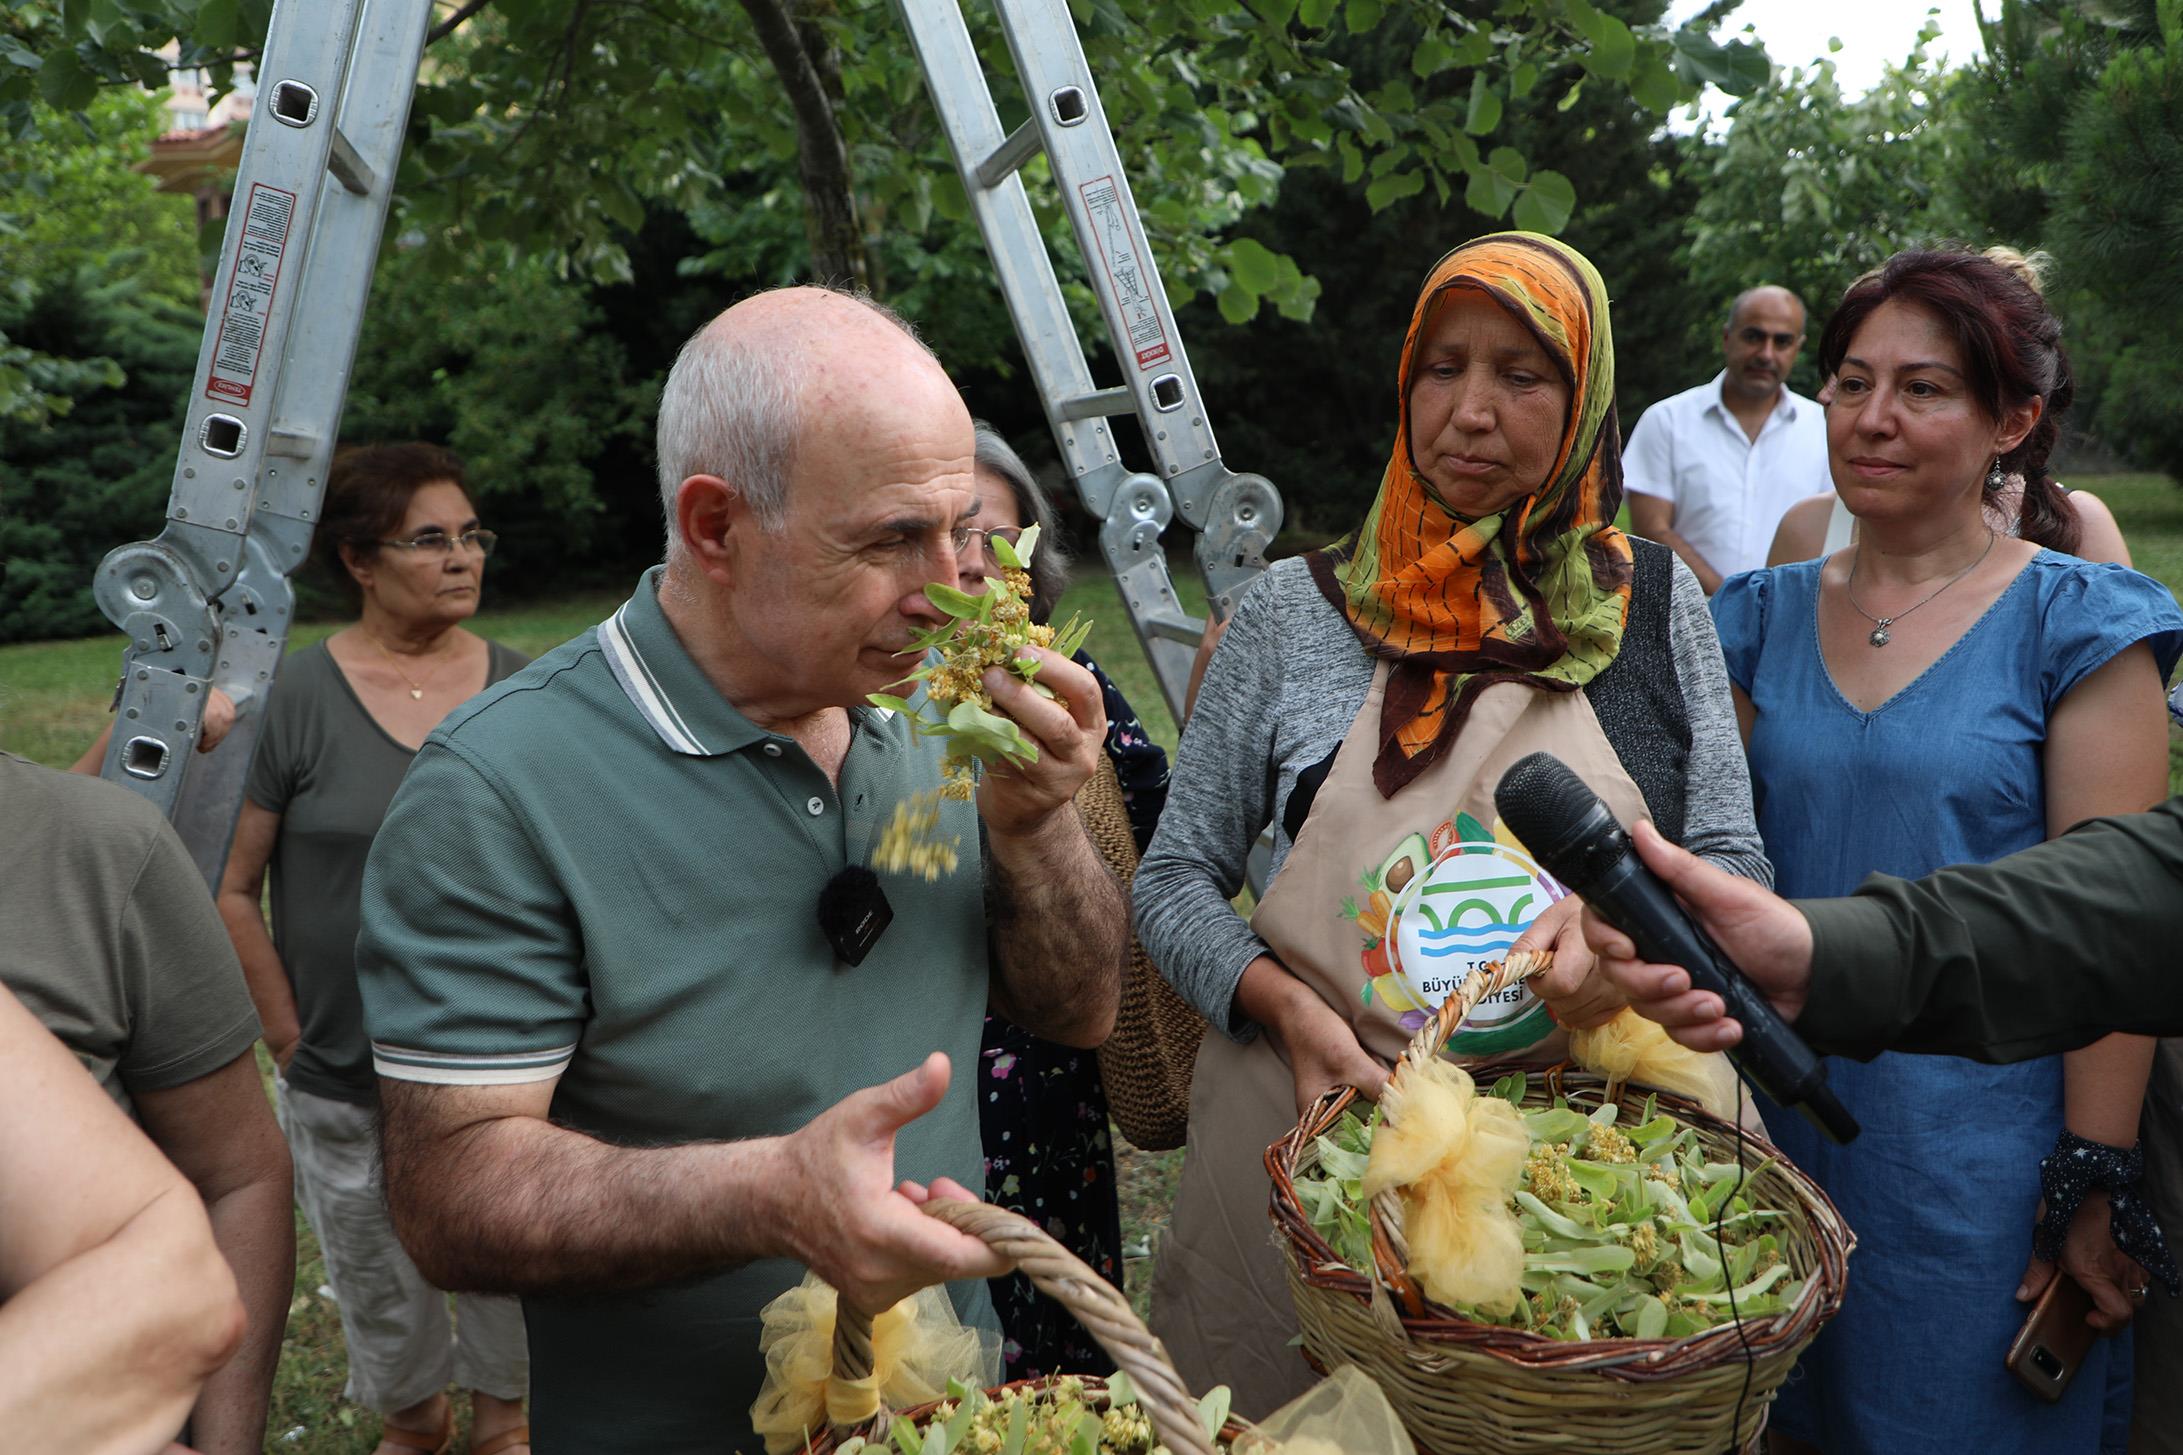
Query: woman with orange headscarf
x=1363 y=704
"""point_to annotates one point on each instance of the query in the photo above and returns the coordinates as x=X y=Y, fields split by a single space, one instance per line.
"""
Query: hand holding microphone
x=1569 y=831
x=1756 y=929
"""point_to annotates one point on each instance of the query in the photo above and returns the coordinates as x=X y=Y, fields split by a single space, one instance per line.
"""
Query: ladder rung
x=1009 y=156
x=349 y=169
x=1101 y=404
x=290 y=444
x=1185 y=629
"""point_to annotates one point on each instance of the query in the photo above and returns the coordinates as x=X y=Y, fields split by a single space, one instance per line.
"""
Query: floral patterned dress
x=1049 y=1151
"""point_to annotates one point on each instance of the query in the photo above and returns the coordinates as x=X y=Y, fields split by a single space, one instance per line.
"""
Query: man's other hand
x=853 y=1225
x=1769 y=941
x=1017 y=801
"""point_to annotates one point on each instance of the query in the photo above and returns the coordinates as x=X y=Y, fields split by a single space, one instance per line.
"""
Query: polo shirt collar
x=675 y=699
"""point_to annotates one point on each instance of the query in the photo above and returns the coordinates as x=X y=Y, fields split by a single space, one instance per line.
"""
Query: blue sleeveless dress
x=1942 y=1185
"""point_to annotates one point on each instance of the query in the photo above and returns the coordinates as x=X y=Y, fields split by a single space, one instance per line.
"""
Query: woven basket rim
x=1633 y=1359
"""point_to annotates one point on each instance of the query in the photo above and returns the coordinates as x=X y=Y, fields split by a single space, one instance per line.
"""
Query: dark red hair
x=2011 y=345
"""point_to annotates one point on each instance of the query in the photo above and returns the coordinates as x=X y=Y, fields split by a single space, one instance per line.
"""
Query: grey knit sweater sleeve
x=1718 y=821
x=1278 y=696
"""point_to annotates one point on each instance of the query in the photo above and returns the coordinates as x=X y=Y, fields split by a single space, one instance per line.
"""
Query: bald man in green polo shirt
x=623 y=1071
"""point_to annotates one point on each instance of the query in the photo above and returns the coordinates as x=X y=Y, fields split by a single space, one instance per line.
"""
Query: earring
x=1996 y=478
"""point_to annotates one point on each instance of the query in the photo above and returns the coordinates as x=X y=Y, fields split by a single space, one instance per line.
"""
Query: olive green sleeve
x=2041 y=952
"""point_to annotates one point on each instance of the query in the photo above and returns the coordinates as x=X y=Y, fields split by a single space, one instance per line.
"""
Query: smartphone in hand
x=2047 y=1351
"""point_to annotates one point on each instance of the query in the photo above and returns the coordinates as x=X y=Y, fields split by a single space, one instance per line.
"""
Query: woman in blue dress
x=1938 y=694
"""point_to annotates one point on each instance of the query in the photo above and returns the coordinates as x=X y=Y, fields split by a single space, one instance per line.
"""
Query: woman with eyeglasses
x=345 y=717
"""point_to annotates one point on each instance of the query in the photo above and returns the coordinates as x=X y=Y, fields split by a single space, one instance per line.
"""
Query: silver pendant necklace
x=1881 y=635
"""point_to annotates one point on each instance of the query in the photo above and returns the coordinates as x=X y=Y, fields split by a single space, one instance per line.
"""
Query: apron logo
x=1437 y=909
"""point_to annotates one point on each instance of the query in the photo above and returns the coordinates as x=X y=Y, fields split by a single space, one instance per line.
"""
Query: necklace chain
x=416 y=688
x=1880 y=635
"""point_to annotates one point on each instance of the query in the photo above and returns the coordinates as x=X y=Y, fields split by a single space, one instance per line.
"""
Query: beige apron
x=1382 y=906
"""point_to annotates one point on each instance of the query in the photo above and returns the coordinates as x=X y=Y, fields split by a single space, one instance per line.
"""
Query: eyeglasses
x=440 y=543
x=961 y=537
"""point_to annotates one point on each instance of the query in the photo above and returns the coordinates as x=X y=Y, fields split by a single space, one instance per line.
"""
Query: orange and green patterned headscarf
x=1536 y=594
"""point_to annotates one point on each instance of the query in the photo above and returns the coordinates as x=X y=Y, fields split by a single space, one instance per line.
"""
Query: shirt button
x=817 y=806
x=773 y=750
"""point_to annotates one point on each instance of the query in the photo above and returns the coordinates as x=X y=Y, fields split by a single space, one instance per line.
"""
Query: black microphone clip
x=854 y=913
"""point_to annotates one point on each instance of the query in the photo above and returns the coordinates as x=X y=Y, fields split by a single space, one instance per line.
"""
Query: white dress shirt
x=1729 y=491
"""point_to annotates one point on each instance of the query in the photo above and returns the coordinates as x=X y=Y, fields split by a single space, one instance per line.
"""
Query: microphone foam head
x=1542 y=800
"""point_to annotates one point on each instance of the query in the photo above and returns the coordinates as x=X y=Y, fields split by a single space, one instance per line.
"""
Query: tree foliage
x=70 y=207
x=1809 y=188
x=97 y=474
x=552 y=125
x=1313 y=403
x=2082 y=106
x=98 y=335
x=516 y=370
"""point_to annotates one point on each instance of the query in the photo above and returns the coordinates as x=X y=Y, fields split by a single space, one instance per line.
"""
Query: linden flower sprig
x=911 y=844
x=981 y=632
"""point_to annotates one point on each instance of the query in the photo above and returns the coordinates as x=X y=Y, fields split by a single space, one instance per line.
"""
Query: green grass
x=54 y=695
x=53 y=700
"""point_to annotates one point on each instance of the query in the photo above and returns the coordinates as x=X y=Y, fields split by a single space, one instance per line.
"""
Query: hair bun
x=2030 y=269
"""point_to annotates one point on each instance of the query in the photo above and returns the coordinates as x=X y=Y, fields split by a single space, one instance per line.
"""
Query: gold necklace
x=416 y=688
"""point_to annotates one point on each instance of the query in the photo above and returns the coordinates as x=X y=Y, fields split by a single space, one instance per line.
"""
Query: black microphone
x=1570 y=832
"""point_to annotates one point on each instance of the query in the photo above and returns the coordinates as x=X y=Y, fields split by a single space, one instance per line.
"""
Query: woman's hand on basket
x=1573 y=987
x=1321 y=1050
x=850 y=1223
x=2090 y=1256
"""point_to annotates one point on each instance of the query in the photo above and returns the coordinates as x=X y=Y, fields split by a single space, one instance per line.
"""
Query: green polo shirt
x=598 y=870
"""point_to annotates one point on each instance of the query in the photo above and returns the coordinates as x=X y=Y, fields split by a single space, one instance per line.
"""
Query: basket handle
x=1067 y=1279
x=1390 y=1250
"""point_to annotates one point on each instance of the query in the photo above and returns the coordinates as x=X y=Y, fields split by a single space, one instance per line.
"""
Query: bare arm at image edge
x=220 y=1133
x=115 y=1303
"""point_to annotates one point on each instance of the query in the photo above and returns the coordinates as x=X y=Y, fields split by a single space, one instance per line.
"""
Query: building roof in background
x=184 y=159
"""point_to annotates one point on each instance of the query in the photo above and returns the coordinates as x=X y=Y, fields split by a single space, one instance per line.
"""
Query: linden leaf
x=955 y=603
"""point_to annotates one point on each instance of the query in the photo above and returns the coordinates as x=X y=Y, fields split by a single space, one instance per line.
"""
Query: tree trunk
x=822 y=157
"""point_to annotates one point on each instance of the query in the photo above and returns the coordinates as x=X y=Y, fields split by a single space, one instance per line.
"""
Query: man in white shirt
x=1711 y=471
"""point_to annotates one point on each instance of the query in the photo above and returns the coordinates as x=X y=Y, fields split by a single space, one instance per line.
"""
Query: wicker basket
x=1459 y=1385
x=1095 y=1303
x=1145 y=1065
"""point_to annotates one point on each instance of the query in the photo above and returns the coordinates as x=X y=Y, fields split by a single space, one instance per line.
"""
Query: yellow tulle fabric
x=1343 y=1415
x=917 y=1347
x=1454 y=1157
x=1631 y=1048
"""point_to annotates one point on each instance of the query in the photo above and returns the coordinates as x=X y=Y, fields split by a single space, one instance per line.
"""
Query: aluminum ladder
x=1236 y=515
x=208 y=603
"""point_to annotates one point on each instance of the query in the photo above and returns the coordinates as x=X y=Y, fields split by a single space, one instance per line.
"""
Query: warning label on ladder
x=1126 y=281
x=265 y=221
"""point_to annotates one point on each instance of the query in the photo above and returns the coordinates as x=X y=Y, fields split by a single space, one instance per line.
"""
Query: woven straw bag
x=1460 y=1385
x=1095 y=1303
x=1146 y=1063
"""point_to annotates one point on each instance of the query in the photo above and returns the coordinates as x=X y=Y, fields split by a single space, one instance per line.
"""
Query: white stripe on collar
x=643 y=689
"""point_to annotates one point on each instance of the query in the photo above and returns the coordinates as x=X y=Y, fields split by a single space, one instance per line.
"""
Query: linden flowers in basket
x=1571 y=1225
